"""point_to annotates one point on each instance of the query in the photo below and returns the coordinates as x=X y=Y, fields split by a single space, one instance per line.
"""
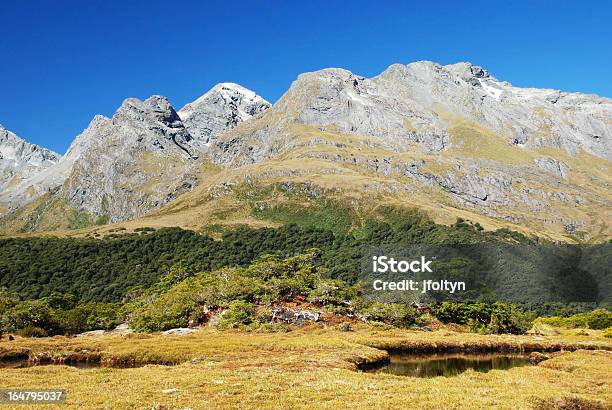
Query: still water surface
x=450 y=364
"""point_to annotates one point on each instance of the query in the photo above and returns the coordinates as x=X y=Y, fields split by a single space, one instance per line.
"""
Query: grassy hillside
x=315 y=169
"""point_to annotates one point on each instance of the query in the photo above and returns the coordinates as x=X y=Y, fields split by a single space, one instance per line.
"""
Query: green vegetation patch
x=597 y=319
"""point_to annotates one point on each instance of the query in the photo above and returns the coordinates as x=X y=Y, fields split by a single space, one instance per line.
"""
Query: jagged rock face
x=527 y=156
x=134 y=162
x=420 y=102
x=523 y=116
x=143 y=157
x=20 y=160
x=219 y=110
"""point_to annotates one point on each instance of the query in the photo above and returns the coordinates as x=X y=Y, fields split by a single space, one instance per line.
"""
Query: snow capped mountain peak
x=218 y=110
x=228 y=88
x=20 y=160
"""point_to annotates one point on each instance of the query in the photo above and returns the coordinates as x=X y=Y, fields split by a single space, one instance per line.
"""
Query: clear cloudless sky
x=63 y=61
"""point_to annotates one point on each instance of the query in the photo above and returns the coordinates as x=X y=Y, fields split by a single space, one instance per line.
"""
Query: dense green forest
x=248 y=297
x=111 y=269
x=107 y=269
x=157 y=279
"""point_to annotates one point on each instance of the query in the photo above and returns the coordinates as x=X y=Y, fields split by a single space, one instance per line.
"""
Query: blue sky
x=65 y=61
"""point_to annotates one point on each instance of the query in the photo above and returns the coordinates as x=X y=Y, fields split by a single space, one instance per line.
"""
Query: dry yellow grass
x=311 y=368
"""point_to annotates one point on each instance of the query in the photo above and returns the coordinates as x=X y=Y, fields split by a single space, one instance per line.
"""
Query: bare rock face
x=123 y=167
x=219 y=110
x=421 y=103
x=528 y=156
x=19 y=160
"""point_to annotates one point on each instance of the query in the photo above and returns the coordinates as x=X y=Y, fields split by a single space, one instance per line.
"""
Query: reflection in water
x=449 y=364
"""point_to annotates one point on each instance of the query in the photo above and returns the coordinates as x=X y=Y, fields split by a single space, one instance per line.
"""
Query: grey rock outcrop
x=124 y=166
x=294 y=316
x=20 y=160
x=220 y=109
x=143 y=157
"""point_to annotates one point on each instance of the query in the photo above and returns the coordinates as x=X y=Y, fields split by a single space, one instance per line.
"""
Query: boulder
x=180 y=331
x=296 y=317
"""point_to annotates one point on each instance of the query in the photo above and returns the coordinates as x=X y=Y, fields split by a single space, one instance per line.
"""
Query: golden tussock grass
x=309 y=368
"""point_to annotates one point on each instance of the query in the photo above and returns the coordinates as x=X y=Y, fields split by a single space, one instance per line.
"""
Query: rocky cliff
x=123 y=167
x=451 y=140
x=20 y=160
x=219 y=110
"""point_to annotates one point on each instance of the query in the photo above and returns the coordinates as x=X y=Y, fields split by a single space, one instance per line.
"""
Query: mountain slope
x=452 y=140
x=123 y=167
x=220 y=109
x=20 y=160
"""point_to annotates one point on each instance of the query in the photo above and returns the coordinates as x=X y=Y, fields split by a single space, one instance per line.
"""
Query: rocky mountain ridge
x=20 y=160
x=451 y=140
x=436 y=137
x=419 y=102
x=123 y=167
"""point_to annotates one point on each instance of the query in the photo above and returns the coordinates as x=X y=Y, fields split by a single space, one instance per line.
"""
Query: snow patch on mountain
x=218 y=110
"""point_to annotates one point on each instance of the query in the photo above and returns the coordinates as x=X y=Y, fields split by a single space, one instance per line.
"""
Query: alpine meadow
x=430 y=236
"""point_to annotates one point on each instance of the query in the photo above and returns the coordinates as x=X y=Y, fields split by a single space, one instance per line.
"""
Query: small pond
x=448 y=364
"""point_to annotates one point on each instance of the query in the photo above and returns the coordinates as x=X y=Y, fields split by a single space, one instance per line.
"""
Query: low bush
x=32 y=331
x=330 y=292
x=481 y=317
x=238 y=314
x=168 y=310
x=29 y=314
x=509 y=319
x=597 y=319
x=391 y=313
x=58 y=314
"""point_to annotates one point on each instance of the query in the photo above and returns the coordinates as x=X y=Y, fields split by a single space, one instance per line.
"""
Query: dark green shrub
x=30 y=314
x=462 y=313
x=168 y=310
x=391 y=313
x=239 y=313
x=333 y=292
x=496 y=317
x=7 y=301
x=32 y=331
x=86 y=317
x=509 y=319
x=60 y=301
